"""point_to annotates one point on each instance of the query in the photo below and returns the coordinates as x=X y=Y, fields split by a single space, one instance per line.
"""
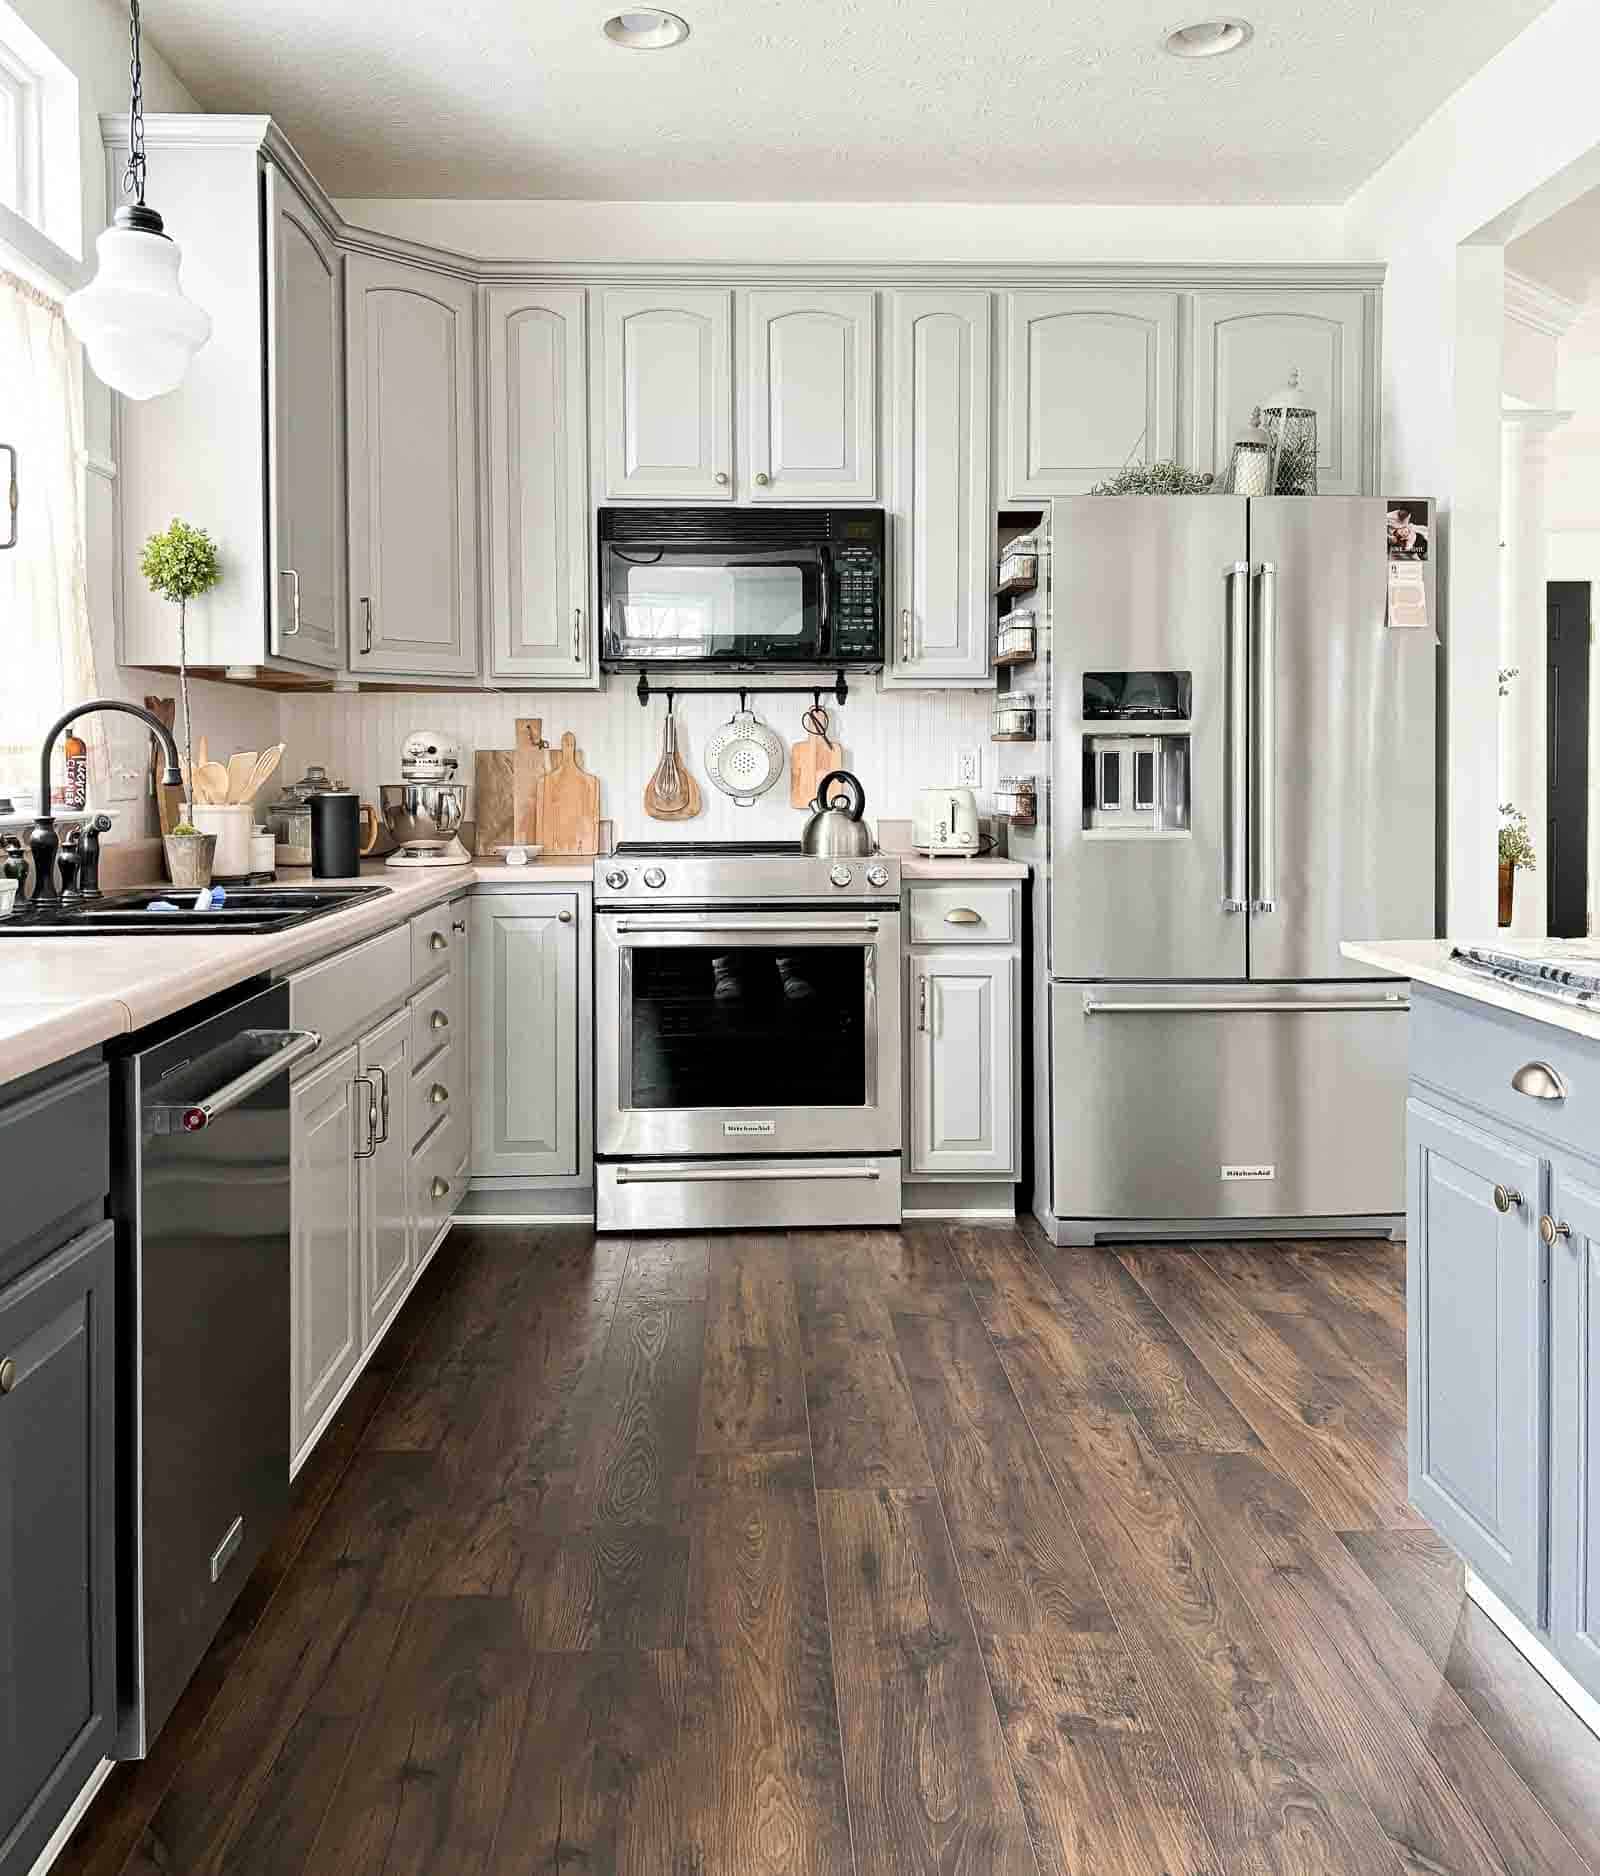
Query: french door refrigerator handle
x=1264 y=742
x=1235 y=825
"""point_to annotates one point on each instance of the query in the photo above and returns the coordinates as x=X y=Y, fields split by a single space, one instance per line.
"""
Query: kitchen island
x=1503 y=1294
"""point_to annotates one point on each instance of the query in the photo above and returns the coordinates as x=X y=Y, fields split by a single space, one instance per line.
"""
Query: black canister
x=335 y=834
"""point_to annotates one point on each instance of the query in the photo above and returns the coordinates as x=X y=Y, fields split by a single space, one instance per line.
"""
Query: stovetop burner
x=705 y=849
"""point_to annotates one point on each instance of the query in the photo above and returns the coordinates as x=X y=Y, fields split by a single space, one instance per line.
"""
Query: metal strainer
x=745 y=758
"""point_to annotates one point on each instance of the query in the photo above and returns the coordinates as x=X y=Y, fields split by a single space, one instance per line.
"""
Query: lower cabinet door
x=524 y=1072
x=388 y=1239
x=328 y=1124
x=963 y=1063
x=57 y=1520
x=1477 y=1355
x=1575 y=1423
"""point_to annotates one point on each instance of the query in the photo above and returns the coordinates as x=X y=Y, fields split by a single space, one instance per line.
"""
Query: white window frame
x=41 y=235
x=24 y=153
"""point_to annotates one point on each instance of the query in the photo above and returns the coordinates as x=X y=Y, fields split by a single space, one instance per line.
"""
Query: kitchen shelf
x=1015 y=657
x=1028 y=585
x=1010 y=736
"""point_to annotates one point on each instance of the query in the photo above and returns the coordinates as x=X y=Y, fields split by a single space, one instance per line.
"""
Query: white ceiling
x=849 y=100
x=1563 y=252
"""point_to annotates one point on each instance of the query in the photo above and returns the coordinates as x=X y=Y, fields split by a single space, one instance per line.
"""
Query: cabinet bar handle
x=962 y=915
x=292 y=575
x=1540 y=1082
x=11 y=495
x=1505 y=1197
x=366 y=611
x=439 y=1020
x=922 y=1004
x=577 y=635
x=905 y=635
x=383 y=1102
x=365 y=1081
x=1549 y=1230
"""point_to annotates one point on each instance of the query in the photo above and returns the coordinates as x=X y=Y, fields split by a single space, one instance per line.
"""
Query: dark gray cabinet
x=57 y=1582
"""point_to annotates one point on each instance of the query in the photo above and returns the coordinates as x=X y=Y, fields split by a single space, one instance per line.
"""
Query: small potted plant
x=1516 y=849
x=180 y=564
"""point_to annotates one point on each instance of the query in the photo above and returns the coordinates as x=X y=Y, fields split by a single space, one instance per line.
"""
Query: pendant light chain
x=133 y=175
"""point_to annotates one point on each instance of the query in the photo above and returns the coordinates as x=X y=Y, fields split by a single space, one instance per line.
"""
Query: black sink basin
x=247 y=909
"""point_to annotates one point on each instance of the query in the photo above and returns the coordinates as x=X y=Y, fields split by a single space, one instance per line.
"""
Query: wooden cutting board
x=169 y=801
x=569 y=803
x=809 y=761
x=494 y=798
x=533 y=760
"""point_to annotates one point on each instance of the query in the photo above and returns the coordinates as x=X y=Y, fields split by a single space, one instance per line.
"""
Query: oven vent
x=731 y=527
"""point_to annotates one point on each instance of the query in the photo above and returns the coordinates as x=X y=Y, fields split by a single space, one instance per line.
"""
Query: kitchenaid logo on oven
x=744 y=1129
x=1230 y=1173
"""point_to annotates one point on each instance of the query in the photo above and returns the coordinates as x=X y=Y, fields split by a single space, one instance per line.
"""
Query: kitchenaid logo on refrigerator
x=743 y=1129
x=1230 y=1173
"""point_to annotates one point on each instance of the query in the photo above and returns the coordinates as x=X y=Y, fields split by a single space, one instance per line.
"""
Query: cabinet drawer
x=439 y=1161
x=1471 y=1051
x=438 y=1016
x=437 y=1094
x=55 y=1146
x=436 y=936
x=964 y=915
x=341 y=995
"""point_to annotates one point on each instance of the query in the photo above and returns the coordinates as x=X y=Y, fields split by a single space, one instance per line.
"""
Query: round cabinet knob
x=616 y=879
x=654 y=877
x=459 y=927
x=876 y=876
x=1549 y=1230
x=721 y=478
x=438 y=1020
x=1505 y=1197
x=8 y=1375
x=840 y=875
x=438 y=1094
x=762 y=478
x=564 y=917
x=440 y=1188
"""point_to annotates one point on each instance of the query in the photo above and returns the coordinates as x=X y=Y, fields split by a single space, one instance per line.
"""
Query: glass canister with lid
x=289 y=817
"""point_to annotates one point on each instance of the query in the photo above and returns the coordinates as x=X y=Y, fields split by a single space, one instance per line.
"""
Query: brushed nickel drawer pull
x=963 y=915
x=8 y=1375
x=440 y=1188
x=438 y=1020
x=438 y=942
x=1549 y=1230
x=1505 y=1197
x=1540 y=1082
x=438 y=1094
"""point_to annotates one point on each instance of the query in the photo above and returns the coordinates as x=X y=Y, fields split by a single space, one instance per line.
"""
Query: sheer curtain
x=46 y=646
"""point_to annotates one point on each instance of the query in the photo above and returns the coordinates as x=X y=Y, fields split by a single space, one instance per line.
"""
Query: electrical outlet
x=128 y=784
x=969 y=768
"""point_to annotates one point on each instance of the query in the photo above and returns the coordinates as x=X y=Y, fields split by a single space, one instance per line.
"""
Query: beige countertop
x=1428 y=961
x=920 y=866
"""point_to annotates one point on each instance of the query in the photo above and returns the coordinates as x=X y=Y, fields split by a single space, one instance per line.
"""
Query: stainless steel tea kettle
x=836 y=829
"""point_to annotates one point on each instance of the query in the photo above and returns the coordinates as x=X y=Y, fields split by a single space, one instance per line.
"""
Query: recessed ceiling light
x=648 y=30
x=1207 y=39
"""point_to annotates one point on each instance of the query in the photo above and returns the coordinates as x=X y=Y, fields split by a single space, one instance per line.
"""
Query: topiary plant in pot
x=180 y=564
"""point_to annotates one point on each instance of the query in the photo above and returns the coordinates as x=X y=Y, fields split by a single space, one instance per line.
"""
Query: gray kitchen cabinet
x=964 y=1063
x=811 y=395
x=666 y=393
x=388 y=1239
x=541 y=625
x=57 y=1537
x=1245 y=346
x=525 y=1069
x=1575 y=1420
x=1477 y=1350
x=328 y=1123
x=1091 y=384
x=411 y=398
x=944 y=522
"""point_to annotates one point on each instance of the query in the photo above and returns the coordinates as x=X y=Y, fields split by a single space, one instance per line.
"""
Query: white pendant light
x=139 y=330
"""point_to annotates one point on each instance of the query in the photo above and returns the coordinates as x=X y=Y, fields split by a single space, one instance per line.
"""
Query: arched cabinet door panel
x=811 y=396
x=668 y=394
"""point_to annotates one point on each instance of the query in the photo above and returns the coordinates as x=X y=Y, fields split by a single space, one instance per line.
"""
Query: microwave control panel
x=857 y=631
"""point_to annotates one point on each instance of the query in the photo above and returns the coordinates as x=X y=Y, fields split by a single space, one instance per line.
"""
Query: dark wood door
x=1567 y=757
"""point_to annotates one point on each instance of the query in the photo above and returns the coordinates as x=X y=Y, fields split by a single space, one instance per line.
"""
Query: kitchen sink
x=249 y=910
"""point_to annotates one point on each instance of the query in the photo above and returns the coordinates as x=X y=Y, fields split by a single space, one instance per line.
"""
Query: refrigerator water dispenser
x=1136 y=785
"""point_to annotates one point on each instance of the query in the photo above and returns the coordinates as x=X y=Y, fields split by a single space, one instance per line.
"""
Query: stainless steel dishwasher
x=202 y=1203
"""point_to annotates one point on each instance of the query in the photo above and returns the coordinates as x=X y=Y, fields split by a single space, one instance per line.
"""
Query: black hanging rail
x=644 y=690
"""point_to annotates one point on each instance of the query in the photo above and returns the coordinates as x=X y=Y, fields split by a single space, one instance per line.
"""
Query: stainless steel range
x=747 y=1037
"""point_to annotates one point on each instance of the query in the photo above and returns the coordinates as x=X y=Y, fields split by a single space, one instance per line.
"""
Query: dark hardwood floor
x=865 y=1552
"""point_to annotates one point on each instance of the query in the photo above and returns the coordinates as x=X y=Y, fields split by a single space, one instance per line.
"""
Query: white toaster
x=945 y=820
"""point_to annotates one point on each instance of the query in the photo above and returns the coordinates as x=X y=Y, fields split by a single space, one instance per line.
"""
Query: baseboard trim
x=971 y=1214
x=73 y=1818
x=1535 y=1653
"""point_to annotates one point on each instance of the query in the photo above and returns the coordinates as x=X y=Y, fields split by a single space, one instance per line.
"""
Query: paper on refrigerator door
x=1408 y=595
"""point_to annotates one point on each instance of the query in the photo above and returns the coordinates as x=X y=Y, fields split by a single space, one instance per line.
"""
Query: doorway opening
x=1567 y=627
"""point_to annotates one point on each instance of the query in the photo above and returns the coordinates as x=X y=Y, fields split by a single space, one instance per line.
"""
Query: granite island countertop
x=1428 y=961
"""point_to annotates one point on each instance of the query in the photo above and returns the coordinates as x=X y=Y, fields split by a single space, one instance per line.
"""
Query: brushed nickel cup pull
x=440 y=1188
x=1505 y=1197
x=438 y=1094
x=1549 y=1230
x=437 y=941
x=962 y=915
x=8 y=1375
x=1540 y=1082
x=439 y=1020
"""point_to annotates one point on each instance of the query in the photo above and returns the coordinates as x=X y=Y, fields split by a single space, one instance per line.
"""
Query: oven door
x=708 y=605
x=747 y=1032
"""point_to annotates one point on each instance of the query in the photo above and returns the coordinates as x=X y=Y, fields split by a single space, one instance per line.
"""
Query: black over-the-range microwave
x=742 y=589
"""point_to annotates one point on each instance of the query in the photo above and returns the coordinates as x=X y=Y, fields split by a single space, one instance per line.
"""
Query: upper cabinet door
x=305 y=429
x=1245 y=346
x=1092 y=385
x=811 y=396
x=669 y=394
x=539 y=619
x=413 y=471
x=944 y=527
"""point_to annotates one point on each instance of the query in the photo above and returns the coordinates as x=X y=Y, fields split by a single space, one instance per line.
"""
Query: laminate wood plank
x=1372 y=1300
x=643 y=1417
x=1335 y=1435
x=430 y=1772
x=927 y=1769
x=594 y=1788
x=1178 y=1403
x=864 y=1427
x=1443 y=1795
x=759 y=1770
x=1266 y=1790
x=909 y=1269
x=753 y=1392
x=1542 y=1739
x=671 y=1269
x=1258 y=1273
x=1320 y=1323
x=536 y=1283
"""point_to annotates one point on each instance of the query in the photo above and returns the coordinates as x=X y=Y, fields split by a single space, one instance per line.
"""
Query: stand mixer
x=424 y=809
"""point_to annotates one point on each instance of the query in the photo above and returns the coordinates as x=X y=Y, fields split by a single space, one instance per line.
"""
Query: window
x=19 y=139
x=41 y=199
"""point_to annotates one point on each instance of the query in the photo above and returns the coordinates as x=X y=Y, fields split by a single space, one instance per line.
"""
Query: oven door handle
x=294 y=1045
x=728 y=1175
x=776 y=928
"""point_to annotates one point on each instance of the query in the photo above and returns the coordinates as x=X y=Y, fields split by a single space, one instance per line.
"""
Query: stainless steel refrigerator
x=1240 y=767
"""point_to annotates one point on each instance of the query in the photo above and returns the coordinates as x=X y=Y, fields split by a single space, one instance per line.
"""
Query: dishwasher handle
x=285 y=1047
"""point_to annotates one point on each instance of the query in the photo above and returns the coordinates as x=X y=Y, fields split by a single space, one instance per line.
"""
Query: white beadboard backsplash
x=895 y=743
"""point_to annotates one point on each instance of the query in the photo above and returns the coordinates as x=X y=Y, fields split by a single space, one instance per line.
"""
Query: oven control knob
x=653 y=876
x=616 y=879
x=876 y=876
x=841 y=875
